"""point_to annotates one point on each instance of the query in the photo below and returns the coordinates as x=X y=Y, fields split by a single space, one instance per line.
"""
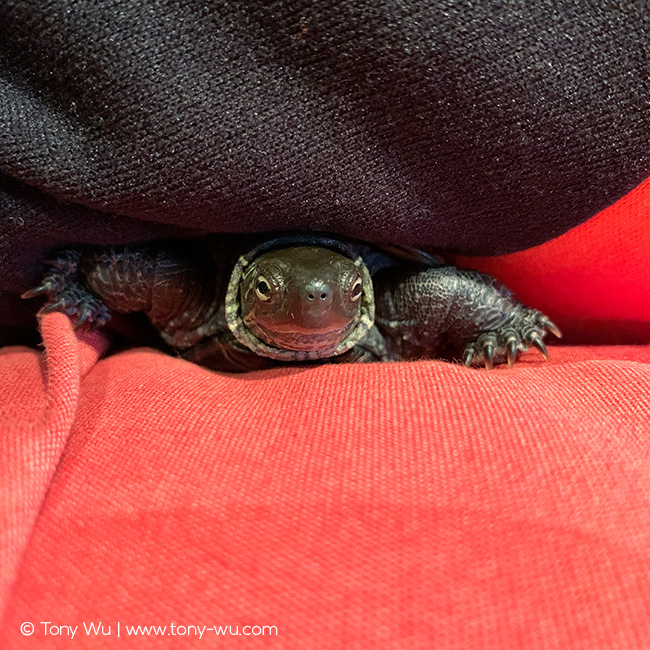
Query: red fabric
x=37 y=408
x=413 y=505
x=594 y=280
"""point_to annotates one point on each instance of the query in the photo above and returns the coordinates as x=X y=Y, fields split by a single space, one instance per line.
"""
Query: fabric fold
x=37 y=409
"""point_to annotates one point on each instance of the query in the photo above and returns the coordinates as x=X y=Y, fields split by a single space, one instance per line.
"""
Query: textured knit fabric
x=349 y=506
x=474 y=127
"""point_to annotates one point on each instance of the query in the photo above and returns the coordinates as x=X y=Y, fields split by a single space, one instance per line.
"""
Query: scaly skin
x=282 y=295
x=423 y=313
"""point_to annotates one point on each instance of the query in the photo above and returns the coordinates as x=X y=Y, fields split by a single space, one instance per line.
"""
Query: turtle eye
x=263 y=289
x=357 y=290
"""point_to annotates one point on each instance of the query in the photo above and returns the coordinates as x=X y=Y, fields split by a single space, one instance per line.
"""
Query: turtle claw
x=511 y=351
x=550 y=326
x=44 y=288
x=536 y=340
x=488 y=352
x=84 y=316
x=60 y=304
x=77 y=302
x=525 y=328
x=489 y=361
x=66 y=294
x=483 y=349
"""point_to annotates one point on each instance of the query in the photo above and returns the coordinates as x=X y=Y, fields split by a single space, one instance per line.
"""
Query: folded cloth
x=396 y=505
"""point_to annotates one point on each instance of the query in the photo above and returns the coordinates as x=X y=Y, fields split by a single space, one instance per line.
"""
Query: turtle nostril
x=317 y=292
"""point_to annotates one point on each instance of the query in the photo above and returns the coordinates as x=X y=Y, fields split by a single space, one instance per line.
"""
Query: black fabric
x=477 y=127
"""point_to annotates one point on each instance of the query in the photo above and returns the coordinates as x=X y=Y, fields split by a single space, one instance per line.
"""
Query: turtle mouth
x=302 y=339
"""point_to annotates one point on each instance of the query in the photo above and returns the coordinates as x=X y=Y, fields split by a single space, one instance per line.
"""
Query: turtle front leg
x=88 y=283
x=173 y=284
x=66 y=293
x=423 y=313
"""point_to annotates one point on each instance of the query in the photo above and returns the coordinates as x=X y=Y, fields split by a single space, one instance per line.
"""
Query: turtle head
x=302 y=298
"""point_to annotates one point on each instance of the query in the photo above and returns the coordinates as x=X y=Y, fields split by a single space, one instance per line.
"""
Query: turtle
x=240 y=303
